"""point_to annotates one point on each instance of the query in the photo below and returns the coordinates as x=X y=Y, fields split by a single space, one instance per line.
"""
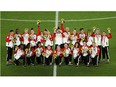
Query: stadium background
x=39 y=70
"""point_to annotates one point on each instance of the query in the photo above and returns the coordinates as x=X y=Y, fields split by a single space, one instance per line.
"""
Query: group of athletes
x=60 y=47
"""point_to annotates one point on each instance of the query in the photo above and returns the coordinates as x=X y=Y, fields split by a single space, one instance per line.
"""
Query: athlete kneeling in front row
x=85 y=53
x=67 y=54
x=38 y=53
x=19 y=54
x=94 y=52
x=48 y=52
x=58 y=54
x=76 y=53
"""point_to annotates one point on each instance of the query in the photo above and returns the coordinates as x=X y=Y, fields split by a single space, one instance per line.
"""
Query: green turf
x=7 y=25
x=103 y=69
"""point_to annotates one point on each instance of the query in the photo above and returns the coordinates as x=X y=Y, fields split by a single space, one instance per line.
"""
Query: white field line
x=71 y=20
x=55 y=66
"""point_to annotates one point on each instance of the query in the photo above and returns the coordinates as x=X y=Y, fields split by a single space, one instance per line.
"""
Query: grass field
x=39 y=70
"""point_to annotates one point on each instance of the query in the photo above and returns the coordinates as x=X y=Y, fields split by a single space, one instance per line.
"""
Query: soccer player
x=29 y=54
x=85 y=53
x=94 y=52
x=33 y=42
x=76 y=53
x=9 y=46
x=48 y=39
x=58 y=37
x=38 y=53
x=48 y=55
x=40 y=34
x=25 y=37
x=17 y=38
x=89 y=38
x=65 y=32
x=82 y=36
x=19 y=54
x=105 y=44
x=67 y=53
x=97 y=38
x=58 y=55
x=32 y=34
x=74 y=37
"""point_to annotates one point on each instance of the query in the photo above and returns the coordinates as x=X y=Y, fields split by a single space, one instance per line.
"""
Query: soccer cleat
x=62 y=21
x=77 y=64
x=38 y=22
x=60 y=64
x=70 y=63
x=108 y=61
x=87 y=64
x=50 y=63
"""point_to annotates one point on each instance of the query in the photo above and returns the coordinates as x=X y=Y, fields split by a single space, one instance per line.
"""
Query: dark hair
x=46 y=30
x=77 y=43
x=16 y=31
x=85 y=41
x=11 y=31
x=58 y=27
x=81 y=29
x=38 y=43
x=32 y=29
x=28 y=45
x=75 y=29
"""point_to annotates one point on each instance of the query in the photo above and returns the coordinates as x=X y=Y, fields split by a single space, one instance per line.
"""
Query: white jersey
x=97 y=39
x=48 y=53
x=84 y=50
x=66 y=37
x=25 y=38
x=9 y=41
x=58 y=38
x=33 y=36
x=39 y=38
x=89 y=40
x=18 y=54
x=33 y=43
x=18 y=41
x=105 y=41
x=75 y=52
x=38 y=51
x=67 y=52
x=94 y=51
x=82 y=37
x=29 y=53
x=48 y=41
x=74 y=39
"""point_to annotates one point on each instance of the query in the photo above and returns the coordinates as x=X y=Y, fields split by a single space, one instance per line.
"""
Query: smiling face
x=12 y=33
x=82 y=31
x=39 y=45
x=65 y=46
x=32 y=32
x=76 y=45
x=84 y=43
